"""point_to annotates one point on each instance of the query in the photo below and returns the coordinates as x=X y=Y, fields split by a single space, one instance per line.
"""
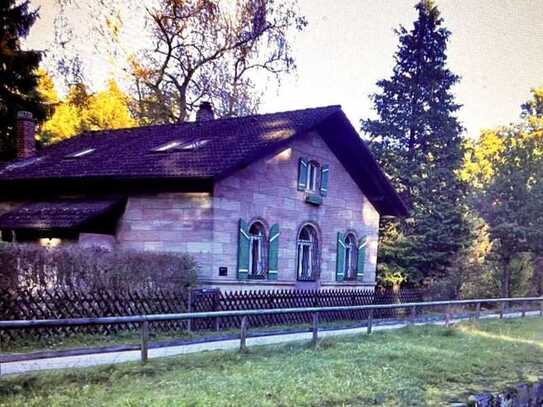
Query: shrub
x=33 y=266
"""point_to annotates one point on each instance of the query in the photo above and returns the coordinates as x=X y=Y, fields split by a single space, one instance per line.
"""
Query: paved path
x=8 y=368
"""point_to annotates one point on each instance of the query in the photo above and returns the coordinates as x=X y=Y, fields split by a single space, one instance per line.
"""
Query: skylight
x=168 y=146
x=81 y=153
x=179 y=145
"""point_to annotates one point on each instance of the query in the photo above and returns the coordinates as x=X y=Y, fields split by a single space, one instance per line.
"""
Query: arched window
x=350 y=256
x=257 y=250
x=308 y=253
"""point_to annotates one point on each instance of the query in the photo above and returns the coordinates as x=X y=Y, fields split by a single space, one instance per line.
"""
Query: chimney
x=205 y=112
x=26 y=144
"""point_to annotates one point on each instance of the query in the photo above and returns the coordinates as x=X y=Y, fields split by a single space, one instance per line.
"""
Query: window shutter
x=340 y=259
x=243 y=250
x=273 y=256
x=324 y=180
x=302 y=174
x=361 y=259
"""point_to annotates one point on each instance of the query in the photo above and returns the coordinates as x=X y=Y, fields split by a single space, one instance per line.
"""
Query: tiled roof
x=130 y=152
x=59 y=214
x=221 y=147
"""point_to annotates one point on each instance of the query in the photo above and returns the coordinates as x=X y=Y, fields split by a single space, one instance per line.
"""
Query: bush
x=33 y=266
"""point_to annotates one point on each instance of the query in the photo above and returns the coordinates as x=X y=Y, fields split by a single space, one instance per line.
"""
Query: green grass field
x=423 y=366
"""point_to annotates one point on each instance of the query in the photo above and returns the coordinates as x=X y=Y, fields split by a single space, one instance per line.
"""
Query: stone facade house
x=282 y=200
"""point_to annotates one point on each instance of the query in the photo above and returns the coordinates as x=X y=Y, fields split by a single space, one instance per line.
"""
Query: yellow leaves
x=80 y=111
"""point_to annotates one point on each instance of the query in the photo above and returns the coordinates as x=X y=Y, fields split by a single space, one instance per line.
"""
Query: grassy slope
x=415 y=366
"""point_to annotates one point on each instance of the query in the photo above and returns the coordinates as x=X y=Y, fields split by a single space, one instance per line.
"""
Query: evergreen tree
x=417 y=139
x=18 y=72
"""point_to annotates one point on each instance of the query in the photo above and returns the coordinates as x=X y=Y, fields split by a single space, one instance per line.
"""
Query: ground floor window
x=350 y=256
x=308 y=253
x=257 y=250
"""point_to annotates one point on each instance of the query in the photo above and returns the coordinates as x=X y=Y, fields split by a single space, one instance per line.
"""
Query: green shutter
x=324 y=180
x=273 y=256
x=243 y=250
x=340 y=259
x=361 y=259
x=302 y=174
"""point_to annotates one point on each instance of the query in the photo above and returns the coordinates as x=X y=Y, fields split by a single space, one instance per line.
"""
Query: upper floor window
x=308 y=253
x=312 y=171
x=313 y=179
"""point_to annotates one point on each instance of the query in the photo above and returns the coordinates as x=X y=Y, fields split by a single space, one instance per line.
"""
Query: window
x=167 y=146
x=313 y=180
x=350 y=257
x=308 y=254
x=181 y=145
x=81 y=153
x=312 y=172
x=257 y=251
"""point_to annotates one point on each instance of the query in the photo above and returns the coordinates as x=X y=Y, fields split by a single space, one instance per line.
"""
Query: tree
x=211 y=50
x=417 y=139
x=18 y=72
x=81 y=111
x=505 y=168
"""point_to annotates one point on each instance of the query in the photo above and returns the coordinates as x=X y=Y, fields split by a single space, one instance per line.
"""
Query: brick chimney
x=205 y=112
x=26 y=144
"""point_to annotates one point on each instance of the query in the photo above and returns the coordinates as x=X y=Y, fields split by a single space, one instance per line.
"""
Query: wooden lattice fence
x=63 y=303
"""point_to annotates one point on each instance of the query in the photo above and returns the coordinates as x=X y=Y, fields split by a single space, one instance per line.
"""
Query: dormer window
x=81 y=153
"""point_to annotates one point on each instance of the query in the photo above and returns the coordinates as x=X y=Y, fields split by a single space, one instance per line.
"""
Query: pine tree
x=18 y=72
x=417 y=139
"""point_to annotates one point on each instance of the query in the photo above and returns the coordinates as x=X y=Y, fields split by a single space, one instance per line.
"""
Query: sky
x=496 y=47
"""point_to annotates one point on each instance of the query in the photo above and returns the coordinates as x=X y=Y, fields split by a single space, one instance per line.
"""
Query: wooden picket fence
x=63 y=303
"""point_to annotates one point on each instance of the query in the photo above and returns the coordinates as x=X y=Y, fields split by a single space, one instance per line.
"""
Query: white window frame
x=310 y=245
x=312 y=172
x=350 y=247
x=259 y=241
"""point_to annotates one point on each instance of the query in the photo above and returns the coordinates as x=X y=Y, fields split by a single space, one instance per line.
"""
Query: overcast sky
x=496 y=47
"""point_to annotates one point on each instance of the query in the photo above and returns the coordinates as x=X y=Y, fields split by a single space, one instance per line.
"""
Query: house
x=282 y=200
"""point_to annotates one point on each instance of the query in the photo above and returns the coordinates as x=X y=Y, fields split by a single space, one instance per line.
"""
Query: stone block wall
x=267 y=190
x=170 y=222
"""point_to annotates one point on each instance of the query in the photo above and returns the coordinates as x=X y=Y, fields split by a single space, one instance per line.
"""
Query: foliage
x=423 y=366
x=82 y=111
x=505 y=168
x=417 y=140
x=211 y=50
x=33 y=266
x=18 y=77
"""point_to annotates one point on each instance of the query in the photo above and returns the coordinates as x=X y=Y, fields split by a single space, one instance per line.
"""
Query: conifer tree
x=417 y=139
x=18 y=72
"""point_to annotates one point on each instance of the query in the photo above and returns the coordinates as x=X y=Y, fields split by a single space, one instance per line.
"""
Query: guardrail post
x=447 y=315
x=315 y=329
x=502 y=309
x=413 y=315
x=541 y=309
x=477 y=310
x=523 y=305
x=144 y=341
x=189 y=310
x=243 y=334
x=370 y=321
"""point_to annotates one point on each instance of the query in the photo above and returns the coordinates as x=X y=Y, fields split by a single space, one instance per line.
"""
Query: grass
x=422 y=366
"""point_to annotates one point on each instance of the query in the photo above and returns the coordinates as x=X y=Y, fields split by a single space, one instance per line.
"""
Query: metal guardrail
x=144 y=320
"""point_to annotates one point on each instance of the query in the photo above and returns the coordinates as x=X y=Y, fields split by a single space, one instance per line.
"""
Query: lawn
x=411 y=367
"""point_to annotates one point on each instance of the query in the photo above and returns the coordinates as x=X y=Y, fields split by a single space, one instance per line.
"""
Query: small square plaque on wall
x=223 y=271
